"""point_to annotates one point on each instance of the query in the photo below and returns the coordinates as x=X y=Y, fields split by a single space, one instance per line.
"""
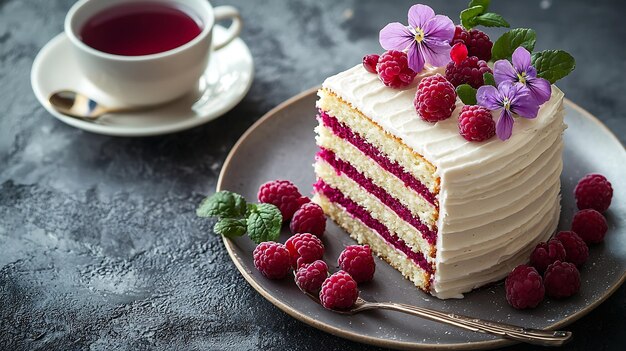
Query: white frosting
x=497 y=198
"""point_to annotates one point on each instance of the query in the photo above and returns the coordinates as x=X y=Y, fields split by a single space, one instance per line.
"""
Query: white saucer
x=225 y=82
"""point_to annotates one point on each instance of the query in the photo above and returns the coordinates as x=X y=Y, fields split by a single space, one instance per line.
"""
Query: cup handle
x=228 y=12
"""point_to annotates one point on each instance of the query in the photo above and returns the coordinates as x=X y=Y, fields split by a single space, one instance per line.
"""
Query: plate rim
x=401 y=345
x=124 y=132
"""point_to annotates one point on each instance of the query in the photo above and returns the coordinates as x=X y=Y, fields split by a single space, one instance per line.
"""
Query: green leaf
x=250 y=208
x=264 y=222
x=222 y=204
x=467 y=94
x=505 y=45
x=230 y=227
x=553 y=64
x=468 y=16
x=489 y=80
x=483 y=3
x=491 y=19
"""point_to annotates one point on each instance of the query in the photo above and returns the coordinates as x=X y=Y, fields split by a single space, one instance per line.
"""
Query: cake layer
x=366 y=186
x=367 y=230
x=345 y=133
x=388 y=145
x=378 y=210
x=365 y=216
x=366 y=236
x=345 y=151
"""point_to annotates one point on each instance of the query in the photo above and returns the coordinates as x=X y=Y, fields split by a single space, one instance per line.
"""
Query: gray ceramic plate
x=281 y=145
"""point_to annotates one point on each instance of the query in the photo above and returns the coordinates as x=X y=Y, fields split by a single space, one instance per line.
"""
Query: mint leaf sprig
x=553 y=65
x=223 y=204
x=476 y=14
x=504 y=47
x=262 y=222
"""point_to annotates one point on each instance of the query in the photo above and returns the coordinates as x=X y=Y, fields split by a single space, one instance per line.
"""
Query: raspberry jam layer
x=360 y=213
x=372 y=152
x=381 y=194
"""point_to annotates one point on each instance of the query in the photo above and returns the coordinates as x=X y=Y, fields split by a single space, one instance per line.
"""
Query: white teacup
x=155 y=78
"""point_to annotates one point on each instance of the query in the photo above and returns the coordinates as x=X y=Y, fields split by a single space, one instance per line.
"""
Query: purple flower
x=523 y=73
x=510 y=98
x=426 y=37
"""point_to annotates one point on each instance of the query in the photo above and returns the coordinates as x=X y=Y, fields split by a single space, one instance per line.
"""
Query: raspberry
x=435 y=98
x=311 y=276
x=339 y=291
x=546 y=253
x=309 y=218
x=476 y=123
x=272 y=259
x=576 y=251
x=469 y=71
x=479 y=45
x=460 y=36
x=284 y=194
x=393 y=69
x=458 y=53
x=561 y=280
x=590 y=225
x=357 y=260
x=593 y=191
x=524 y=287
x=304 y=248
x=369 y=62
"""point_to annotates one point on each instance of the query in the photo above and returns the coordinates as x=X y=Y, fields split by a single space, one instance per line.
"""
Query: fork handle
x=527 y=335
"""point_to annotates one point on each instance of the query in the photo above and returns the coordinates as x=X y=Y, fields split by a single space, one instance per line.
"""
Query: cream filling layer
x=378 y=210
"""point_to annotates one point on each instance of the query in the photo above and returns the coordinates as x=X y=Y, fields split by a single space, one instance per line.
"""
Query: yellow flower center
x=419 y=34
x=506 y=103
x=522 y=77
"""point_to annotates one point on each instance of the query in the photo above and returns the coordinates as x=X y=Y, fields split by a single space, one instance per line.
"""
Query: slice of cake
x=450 y=214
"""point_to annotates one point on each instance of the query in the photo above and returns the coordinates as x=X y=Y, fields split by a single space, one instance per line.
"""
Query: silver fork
x=526 y=335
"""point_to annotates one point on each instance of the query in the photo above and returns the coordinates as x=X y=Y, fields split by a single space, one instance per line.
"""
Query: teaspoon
x=512 y=332
x=74 y=104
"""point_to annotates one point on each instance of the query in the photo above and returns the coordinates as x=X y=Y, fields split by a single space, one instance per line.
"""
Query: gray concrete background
x=99 y=245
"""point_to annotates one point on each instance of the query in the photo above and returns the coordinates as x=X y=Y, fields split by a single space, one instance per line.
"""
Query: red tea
x=140 y=28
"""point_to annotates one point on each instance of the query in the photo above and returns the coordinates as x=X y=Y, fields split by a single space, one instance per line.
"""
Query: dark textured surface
x=99 y=245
